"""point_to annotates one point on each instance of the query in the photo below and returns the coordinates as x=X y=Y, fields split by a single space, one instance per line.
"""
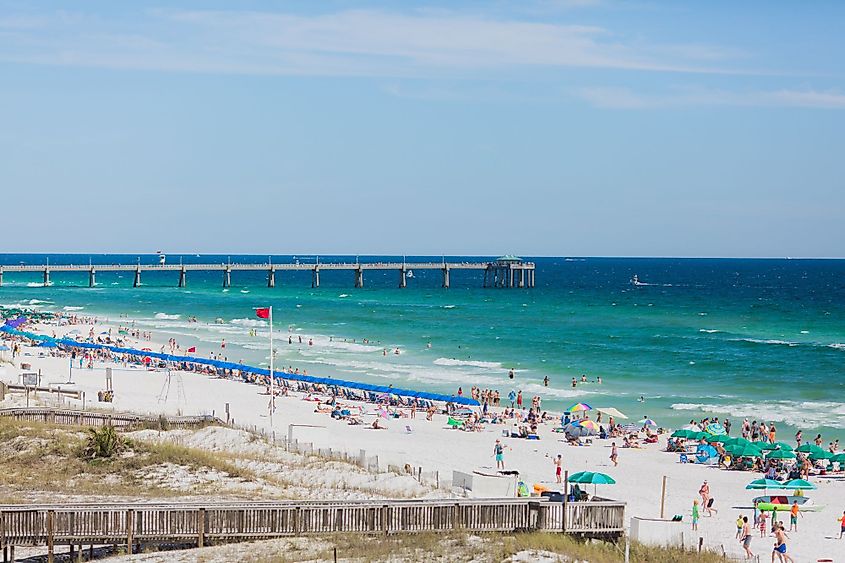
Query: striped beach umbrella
x=579 y=407
x=588 y=424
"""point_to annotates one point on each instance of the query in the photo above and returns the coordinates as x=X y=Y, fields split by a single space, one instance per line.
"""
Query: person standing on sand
x=794 y=511
x=695 y=514
x=519 y=400
x=499 y=452
x=841 y=525
x=745 y=538
x=614 y=454
x=512 y=397
x=558 y=461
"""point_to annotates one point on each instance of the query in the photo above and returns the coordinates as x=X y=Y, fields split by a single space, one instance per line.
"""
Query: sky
x=539 y=127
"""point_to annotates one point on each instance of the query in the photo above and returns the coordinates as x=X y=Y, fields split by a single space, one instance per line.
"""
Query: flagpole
x=272 y=395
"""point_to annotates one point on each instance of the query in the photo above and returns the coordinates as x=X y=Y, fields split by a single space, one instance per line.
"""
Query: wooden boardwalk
x=131 y=525
x=123 y=421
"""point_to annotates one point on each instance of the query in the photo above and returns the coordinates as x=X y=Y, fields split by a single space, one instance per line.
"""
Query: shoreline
x=433 y=447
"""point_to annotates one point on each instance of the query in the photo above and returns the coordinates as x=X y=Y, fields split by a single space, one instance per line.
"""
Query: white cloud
x=373 y=43
x=625 y=98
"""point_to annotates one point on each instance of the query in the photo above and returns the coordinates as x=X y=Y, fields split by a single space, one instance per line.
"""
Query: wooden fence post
x=565 y=500
x=130 y=528
x=385 y=519
x=51 y=524
x=201 y=528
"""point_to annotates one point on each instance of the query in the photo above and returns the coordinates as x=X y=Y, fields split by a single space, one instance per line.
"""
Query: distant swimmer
x=574 y=382
x=396 y=351
x=290 y=339
x=583 y=378
x=546 y=381
x=598 y=380
x=428 y=345
x=510 y=373
x=642 y=399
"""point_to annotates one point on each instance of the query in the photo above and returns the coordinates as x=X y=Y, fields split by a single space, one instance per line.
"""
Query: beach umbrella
x=589 y=477
x=784 y=446
x=798 y=485
x=4 y=348
x=588 y=424
x=721 y=438
x=715 y=428
x=839 y=458
x=764 y=484
x=746 y=451
x=780 y=454
x=742 y=442
x=808 y=448
x=697 y=435
x=579 y=407
x=815 y=456
x=647 y=422
x=48 y=344
x=765 y=446
x=682 y=433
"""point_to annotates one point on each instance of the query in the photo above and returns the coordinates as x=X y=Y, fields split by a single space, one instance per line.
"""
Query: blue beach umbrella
x=48 y=344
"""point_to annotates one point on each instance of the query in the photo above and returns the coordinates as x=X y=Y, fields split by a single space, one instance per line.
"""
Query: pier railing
x=201 y=524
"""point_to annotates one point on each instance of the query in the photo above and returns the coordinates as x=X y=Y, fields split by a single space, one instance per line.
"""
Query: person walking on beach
x=614 y=454
x=745 y=537
x=841 y=525
x=512 y=397
x=558 y=461
x=695 y=514
x=499 y=452
x=761 y=522
x=794 y=511
x=780 y=546
x=519 y=400
x=704 y=491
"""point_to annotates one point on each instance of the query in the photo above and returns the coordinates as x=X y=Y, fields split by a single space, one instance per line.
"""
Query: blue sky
x=543 y=127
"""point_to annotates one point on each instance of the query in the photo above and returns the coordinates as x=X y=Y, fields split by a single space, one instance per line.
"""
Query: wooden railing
x=130 y=524
x=116 y=419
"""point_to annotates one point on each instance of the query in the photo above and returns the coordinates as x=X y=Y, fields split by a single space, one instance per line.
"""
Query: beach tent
x=610 y=411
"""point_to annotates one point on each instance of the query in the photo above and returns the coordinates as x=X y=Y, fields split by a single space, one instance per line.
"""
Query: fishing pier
x=504 y=272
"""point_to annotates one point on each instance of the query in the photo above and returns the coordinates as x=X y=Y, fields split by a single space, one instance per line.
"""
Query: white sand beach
x=435 y=447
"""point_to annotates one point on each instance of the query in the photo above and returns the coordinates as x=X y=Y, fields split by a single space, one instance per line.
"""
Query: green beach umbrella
x=697 y=435
x=722 y=438
x=747 y=451
x=784 y=446
x=809 y=448
x=681 y=433
x=764 y=484
x=798 y=485
x=839 y=458
x=742 y=442
x=765 y=446
x=780 y=454
x=591 y=478
x=820 y=455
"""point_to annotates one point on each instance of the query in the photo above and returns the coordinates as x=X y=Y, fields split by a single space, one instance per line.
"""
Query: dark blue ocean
x=758 y=338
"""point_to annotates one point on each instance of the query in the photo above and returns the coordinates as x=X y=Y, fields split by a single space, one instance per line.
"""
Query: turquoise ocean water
x=757 y=338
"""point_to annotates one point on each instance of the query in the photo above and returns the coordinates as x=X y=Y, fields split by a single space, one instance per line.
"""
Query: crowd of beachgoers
x=602 y=435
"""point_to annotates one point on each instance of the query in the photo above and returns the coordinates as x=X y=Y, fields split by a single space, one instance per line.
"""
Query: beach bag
x=710 y=503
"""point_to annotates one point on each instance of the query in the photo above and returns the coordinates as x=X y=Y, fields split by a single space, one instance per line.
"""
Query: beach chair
x=684 y=458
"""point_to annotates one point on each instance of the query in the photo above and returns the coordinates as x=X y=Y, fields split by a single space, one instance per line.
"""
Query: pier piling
x=359 y=277
x=227 y=277
x=46 y=277
x=183 y=277
x=315 y=277
x=92 y=277
x=445 y=276
x=137 y=281
x=271 y=277
x=403 y=278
